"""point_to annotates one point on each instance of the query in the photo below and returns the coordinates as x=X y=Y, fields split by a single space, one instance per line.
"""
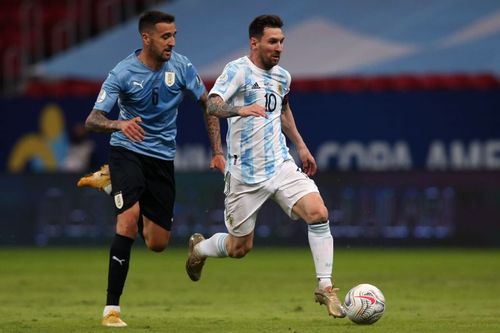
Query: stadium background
x=398 y=101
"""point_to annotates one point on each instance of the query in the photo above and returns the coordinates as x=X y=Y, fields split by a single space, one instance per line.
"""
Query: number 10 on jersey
x=270 y=102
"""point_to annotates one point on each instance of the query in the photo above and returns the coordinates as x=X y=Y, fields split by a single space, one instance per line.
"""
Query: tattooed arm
x=217 y=107
x=98 y=122
x=213 y=129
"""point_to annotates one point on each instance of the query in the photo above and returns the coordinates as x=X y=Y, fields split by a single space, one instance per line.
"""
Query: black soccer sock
x=119 y=256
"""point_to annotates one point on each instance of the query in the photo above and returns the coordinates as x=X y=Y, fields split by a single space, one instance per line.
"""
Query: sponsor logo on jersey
x=255 y=86
x=169 y=78
x=137 y=83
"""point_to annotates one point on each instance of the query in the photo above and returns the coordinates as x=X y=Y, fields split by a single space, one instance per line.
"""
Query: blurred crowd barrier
x=366 y=209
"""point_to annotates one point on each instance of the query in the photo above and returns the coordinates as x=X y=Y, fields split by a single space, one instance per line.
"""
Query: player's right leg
x=119 y=257
x=242 y=204
x=220 y=245
x=128 y=186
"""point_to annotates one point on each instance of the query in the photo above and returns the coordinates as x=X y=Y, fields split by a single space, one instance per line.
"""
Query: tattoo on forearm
x=97 y=122
x=218 y=108
x=213 y=129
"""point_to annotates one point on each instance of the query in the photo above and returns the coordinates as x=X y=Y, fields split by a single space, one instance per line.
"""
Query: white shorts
x=243 y=201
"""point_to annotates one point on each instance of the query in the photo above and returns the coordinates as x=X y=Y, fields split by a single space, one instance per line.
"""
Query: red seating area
x=32 y=30
x=401 y=82
x=337 y=84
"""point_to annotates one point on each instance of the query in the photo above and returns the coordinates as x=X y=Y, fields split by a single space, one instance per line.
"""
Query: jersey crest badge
x=119 y=200
x=222 y=78
x=169 y=78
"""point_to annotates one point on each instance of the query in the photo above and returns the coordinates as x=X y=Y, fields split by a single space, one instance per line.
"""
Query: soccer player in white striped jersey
x=252 y=93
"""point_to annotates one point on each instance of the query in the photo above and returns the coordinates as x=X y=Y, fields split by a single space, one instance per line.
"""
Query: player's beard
x=166 y=57
x=159 y=54
x=269 y=62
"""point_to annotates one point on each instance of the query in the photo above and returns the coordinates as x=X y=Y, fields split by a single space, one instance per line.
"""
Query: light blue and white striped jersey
x=152 y=95
x=256 y=146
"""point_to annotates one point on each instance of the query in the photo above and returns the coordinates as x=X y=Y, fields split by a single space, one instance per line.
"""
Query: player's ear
x=146 y=39
x=253 y=43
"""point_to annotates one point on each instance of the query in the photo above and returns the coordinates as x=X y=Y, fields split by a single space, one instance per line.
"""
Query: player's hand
x=218 y=162
x=252 y=110
x=132 y=129
x=309 y=166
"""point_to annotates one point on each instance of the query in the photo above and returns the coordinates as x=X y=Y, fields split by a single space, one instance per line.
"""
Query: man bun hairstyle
x=256 y=28
x=149 y=19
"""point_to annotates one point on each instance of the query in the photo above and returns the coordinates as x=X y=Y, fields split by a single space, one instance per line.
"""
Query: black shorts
x=144 y=179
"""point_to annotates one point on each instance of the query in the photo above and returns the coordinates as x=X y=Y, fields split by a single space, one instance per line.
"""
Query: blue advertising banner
x=365 y=131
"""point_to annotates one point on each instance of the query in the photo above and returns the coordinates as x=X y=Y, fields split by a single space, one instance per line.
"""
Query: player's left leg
x=155 y=236
x=99 y=179
x=313 y=211
x=299 y=197
x=157 y=203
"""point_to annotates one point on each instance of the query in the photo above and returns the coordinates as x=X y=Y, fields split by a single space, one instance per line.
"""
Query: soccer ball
x=364 y=304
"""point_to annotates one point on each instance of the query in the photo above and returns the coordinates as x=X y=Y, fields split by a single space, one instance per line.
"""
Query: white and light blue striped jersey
x=152 y=95
x=256 y=146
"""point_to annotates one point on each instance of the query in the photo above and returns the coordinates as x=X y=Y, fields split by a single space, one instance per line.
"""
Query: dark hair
x=148 y=19
x=256 y=28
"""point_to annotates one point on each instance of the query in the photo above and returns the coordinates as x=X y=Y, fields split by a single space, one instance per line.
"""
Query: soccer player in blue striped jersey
x=252 y=93
x=148 y=86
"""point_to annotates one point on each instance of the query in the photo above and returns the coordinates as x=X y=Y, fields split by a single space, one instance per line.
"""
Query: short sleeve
x=193 y=81
x=110 y=90
x=228 y=83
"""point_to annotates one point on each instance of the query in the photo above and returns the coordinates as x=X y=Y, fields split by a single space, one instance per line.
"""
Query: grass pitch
x=271 y=290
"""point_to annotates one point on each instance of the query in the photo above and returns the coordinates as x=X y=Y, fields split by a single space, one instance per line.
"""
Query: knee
x=316 y=214
x=239 y=252
x=127 y=228
x=156 y=245
x=126 y=222
x=156 y=242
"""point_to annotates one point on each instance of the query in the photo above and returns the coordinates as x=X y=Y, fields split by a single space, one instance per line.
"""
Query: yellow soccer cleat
x=100 y=180
x=112 y=319
x=328 y=297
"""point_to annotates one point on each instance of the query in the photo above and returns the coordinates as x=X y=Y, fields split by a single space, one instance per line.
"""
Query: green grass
x=63 y=290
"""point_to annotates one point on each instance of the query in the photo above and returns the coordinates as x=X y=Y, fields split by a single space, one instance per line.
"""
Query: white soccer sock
x=321 y=244
x=215 y=246
x=108 y=308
